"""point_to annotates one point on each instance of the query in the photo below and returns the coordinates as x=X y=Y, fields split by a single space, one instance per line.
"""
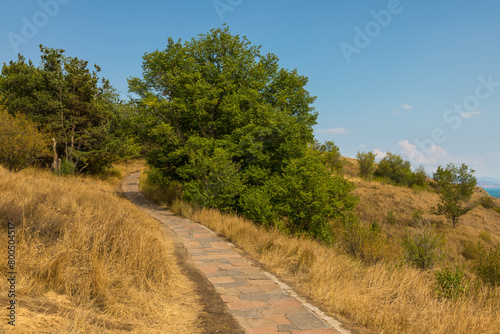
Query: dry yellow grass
x=89 y=261
x=384 y=297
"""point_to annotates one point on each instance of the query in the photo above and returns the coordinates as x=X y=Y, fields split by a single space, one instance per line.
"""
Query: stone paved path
x=256 y=299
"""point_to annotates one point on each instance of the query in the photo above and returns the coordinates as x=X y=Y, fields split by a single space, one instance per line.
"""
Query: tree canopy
x=224 y=119
x=67 y=100
x=455 y=184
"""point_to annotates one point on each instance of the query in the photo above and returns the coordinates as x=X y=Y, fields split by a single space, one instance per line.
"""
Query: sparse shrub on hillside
x=366 y=161
x=20 y=141
x=486 y=236
x=417 y=218
x=487 y=202
x=366 y=242
x=470 y=250
x=451 y=283
x=391 y=217
x=395 y=169
x=487 y=265
x=423 y=248
x=455 y=186
x=497 y=209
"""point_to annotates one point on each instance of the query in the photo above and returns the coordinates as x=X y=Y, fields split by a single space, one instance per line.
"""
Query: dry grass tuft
x=89 y=261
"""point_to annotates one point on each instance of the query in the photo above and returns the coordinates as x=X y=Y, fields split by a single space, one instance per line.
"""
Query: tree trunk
x=56 y=165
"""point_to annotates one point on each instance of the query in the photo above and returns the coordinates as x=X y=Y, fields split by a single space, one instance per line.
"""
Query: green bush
x=256 y=205
x=487 y=202
x=418 y=178
x=309 y=197
x=366 y=161
x=67 y=167
x=155 y=176
x=395 y=169
x=20 y=141
x=423 y=248
x=487 y=266
x=451 y=283
x=214 y=178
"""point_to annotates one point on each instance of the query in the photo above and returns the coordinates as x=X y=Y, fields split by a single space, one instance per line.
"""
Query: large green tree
x=69 y=101
x=225 y=119
x=219 y=86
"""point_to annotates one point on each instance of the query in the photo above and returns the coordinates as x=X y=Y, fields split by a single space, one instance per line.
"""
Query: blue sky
x=416 y=78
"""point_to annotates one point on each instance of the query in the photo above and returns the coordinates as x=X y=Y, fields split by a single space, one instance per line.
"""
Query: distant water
x=494 y=191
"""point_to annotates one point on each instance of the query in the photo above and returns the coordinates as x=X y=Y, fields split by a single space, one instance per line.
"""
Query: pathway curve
x=257 y=300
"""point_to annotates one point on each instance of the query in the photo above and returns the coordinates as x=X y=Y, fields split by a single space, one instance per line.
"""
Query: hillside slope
x=378 y=200
x=88 y=261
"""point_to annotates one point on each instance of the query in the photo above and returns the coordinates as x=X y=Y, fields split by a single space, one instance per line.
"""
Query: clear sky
x=413 y=77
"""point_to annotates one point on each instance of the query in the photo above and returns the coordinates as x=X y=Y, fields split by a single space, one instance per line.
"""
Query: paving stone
x=227 y=291
x=220 y=245
x=284 y=311
x=192 y=244
x=260 y=282
x=206 y=237
x=260 y=322
x=219 y=273
x=222 y=261
x=220 y=280
x=248 y=305
x=246 y=314
x=231 y=299
x=270 y=287
x=229 y=267
x=263 y=330
x=306 y=321
x=317 y=331
x=287 y=327
x=232 y=285
x=209 y=268
x=250 y=289
x=284 y=303
x=280 y=319
x=265 y=296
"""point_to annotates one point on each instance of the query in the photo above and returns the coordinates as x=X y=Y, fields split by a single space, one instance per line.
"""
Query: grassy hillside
x=385 y=294
x=379 y=200
x=88 y=261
